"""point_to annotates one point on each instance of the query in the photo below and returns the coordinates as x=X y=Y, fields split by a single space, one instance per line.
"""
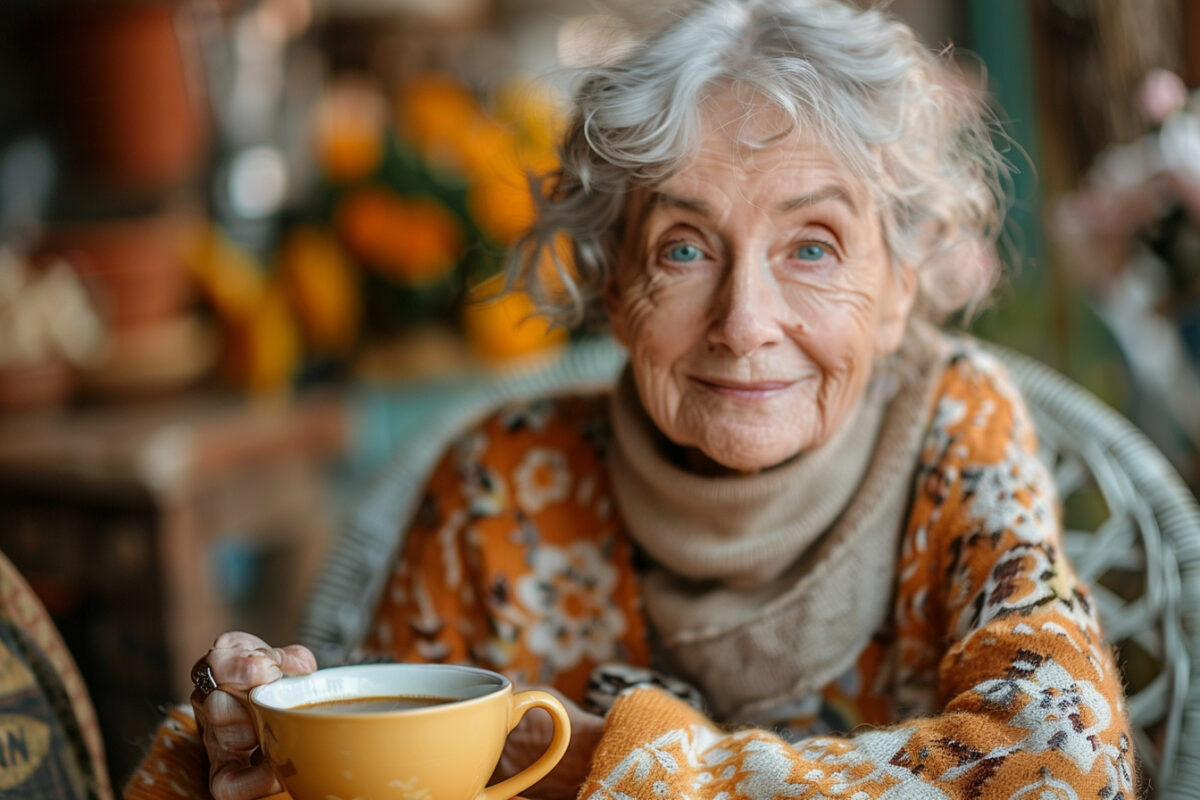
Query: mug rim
x=296 y=711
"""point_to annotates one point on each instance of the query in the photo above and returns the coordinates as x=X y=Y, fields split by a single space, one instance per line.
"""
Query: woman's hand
x=237 y=663
x=532 y=736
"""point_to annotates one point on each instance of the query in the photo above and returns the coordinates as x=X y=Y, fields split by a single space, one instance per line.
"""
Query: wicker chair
x=1133 y=534
x=1132 y=531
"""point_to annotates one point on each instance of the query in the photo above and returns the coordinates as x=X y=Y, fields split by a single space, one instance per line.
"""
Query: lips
x=754 y=390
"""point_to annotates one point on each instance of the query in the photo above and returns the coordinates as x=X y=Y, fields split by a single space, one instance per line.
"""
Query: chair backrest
x=1132 y=532
x=1133 y=535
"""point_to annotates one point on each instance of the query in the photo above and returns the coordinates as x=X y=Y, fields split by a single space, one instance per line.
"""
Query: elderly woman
x=805 y=546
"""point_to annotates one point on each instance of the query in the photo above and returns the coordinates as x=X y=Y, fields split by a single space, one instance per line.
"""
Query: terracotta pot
x=127 y=90
x=134 y=266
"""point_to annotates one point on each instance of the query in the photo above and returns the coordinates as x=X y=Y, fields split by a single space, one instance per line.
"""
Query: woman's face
x=754 y=293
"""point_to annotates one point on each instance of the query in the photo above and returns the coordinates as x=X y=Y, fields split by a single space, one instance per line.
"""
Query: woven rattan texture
x=1133 y=534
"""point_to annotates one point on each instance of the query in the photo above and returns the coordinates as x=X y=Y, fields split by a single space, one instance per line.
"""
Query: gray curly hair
x=896 y=114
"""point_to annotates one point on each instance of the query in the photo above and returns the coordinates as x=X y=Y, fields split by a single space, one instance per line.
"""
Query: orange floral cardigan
x=991 y=678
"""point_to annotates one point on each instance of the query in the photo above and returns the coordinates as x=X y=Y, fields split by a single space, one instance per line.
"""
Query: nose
x=749 y=307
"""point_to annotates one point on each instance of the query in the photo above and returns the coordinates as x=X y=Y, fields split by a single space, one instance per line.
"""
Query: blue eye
x=685 y=253
x=810 y=252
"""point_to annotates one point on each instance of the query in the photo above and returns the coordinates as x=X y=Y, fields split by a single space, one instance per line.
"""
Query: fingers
x=234 y=781
x=237 y=670
x=231 y=743
x=240 y=661
x=230 y=723
x=227 y=728
x=296 y=659
x=239 y=640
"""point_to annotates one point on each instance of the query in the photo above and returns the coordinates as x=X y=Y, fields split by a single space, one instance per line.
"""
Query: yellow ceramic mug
x=322 y=749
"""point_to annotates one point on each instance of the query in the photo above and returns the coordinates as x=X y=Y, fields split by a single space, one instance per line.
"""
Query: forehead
x=758 y=152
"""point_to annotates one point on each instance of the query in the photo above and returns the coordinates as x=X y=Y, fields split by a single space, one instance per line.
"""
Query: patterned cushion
x=50 y=743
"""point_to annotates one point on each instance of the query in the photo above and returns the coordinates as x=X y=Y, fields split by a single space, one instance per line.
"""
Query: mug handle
x=520 y=703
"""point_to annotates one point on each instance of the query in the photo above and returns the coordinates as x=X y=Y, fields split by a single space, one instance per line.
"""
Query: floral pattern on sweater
x=516 y=560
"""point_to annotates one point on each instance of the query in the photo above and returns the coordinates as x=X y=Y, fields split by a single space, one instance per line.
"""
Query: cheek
x=663 y=317
x=663 y=321
x=834 y=324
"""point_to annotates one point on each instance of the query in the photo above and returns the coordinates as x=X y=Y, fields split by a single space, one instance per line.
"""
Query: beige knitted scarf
x=765 y=587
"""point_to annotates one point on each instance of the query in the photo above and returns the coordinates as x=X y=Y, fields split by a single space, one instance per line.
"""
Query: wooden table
x=119 y=520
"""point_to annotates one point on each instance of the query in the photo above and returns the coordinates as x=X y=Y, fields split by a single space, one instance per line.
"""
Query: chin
x=749 y=454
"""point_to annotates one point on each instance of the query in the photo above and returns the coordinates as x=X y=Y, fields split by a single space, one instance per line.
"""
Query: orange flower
x=501 y=326
x=323 y=288
x=502 y=207
x=439 y=116
x=413 y=240
x=348 y=130
x=500 y=199
x=489 y=151
x=447 y=125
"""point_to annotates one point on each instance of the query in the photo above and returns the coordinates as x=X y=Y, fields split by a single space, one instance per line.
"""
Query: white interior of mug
x=379 y=680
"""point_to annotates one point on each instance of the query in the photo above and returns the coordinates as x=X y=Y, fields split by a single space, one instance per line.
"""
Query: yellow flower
x=229 y=276
x=535 y=116
x=501 y=326
x=414 y=240
x=552 y=274
x=263 y=350
x=322 y=286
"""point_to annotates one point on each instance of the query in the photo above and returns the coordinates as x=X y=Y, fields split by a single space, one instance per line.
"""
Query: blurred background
x=242 y=245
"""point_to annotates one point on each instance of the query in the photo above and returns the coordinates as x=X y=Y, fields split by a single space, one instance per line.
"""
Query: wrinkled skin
x=755 y=294
x=240 y=661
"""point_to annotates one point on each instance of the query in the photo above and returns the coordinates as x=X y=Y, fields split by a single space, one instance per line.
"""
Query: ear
x=900 y=292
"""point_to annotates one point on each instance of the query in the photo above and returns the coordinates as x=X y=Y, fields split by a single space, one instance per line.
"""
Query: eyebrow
x=664 y=200
x=831 y=192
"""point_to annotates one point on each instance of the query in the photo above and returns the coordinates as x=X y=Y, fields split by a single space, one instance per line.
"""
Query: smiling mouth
x=757 y=390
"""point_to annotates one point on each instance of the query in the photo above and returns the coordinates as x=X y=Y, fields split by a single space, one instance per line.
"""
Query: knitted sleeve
x=1028 y=701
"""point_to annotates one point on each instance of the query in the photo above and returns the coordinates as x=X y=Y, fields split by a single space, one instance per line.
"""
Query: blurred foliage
x=417 y=201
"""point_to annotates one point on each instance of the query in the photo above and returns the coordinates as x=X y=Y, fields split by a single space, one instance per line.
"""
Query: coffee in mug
x=367 y=705
x=402 y=731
